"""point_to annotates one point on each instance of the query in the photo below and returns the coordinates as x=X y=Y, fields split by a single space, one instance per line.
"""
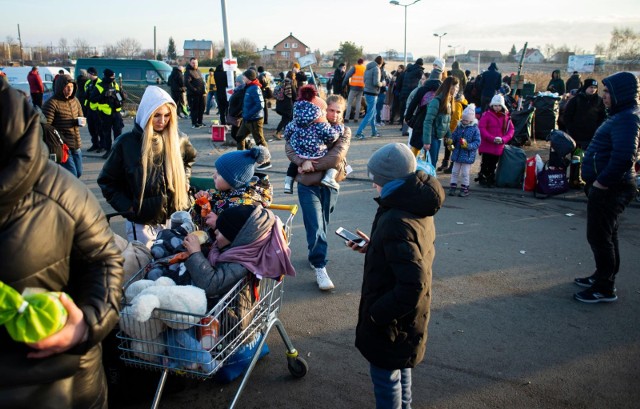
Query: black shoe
x=98 y=150
x=592 y=296
x=264 y=166
x=586 y=282
x=443 y=166
x=106 y=155
x=448 y=170
x=93 y=148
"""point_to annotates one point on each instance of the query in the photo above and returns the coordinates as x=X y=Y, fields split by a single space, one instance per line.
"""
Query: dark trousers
x=255 y=129
x=93 y=123
x=36 y=99
x=107 y=124
x=485 y=101
x=603 y=209
x=292 y=170
x=223 y=105
x=285 y=118
x=196 y=106
x=178 y=98
x=395 y=110
x=488 y=168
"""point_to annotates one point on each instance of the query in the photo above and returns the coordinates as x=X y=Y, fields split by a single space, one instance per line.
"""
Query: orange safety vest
x=357 y=79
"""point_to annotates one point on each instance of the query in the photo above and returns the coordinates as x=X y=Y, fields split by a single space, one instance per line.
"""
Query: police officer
x=109 y=97
x=91 y=109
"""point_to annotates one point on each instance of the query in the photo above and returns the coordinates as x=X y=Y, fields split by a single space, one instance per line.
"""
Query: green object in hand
x=33 y=317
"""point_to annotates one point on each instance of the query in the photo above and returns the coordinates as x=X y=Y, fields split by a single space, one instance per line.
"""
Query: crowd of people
x=147 y=172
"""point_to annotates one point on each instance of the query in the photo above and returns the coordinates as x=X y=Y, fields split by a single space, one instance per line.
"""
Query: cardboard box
x=218 y=133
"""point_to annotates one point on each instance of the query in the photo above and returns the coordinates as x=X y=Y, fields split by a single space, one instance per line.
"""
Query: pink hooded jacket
x=494 y=124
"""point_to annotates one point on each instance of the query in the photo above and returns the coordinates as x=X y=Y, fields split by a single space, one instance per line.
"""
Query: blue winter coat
x=471 y=134
x=253 y=105
x=610 y=157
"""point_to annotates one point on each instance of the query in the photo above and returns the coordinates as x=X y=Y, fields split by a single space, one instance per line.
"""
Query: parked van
x=19 y=74
x=134 y=73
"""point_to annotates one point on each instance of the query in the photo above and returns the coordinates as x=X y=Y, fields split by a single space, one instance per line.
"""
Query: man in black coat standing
x=196 y=93
x=221 y=92
x=338 y=77
x=489 y=84
x=407 y=83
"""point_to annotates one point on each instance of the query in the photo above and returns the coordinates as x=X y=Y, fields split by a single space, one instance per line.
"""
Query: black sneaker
x=594 y=296
x=586 y=282
x=93 y=148
x=106 y=155
x=264 y=166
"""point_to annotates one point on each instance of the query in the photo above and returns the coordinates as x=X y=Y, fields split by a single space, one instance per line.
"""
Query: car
x=24 y=87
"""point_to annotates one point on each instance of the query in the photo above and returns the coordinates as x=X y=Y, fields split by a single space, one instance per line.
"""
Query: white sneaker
x=324 y=282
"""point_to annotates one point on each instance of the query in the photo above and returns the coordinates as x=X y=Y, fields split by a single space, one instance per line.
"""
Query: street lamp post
x=397 y=3
x=454 y=51
x=439 y=42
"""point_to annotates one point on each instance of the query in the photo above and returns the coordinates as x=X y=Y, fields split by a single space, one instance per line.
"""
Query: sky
x=375 y=25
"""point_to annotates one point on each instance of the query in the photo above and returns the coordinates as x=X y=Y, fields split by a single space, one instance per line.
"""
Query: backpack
x=58 y=150
x=278 y=92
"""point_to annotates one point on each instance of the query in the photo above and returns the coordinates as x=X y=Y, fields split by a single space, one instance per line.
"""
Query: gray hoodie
x=372 y=79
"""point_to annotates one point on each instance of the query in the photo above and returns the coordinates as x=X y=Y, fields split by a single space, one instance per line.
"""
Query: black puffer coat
x=396 y=287
x=193 y=81
x=583 y=115
x=410 y=80
x=121 y=180
x=53 y=235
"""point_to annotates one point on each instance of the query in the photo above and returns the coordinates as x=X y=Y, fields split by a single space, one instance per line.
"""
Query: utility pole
x=155 y=53
x=227 y=49
x=20 y=41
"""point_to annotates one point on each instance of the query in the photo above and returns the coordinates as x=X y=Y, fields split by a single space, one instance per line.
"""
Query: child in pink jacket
x=496 y=129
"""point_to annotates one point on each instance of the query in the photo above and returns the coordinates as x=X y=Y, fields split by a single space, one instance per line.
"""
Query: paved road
x=504 y=330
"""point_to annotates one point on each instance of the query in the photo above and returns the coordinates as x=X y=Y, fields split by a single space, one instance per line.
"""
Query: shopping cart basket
x=244 y=315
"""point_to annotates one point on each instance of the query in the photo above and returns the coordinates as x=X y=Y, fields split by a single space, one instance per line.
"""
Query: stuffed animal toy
x=173 y=266
x=169 y=241
x=154 y=305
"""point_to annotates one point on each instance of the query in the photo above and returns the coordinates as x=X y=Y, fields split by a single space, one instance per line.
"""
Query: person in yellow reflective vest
x=91 y=109
x=211 y=92
x=109 y=99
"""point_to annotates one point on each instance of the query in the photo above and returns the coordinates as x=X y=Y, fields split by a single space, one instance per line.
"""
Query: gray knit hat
x=392 y=161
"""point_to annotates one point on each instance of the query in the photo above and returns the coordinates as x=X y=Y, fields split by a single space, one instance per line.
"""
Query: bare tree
x=244 y=45
x=13 y=47
x=129 y=47
x=82 y=47
x=600 y=49
x=63 y=47
x=624 y=44
x=111 y=51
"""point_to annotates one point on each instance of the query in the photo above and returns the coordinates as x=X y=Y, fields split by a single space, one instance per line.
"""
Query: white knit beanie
x=469 y=113
x=498 y=100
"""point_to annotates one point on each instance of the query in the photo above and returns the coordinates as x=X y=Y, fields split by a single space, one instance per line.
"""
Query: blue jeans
x=370 y=117
x=211 y=101
x=317 y=204
x=391 y=388
x=74 y=164
x=379 y=104
x=434 y=150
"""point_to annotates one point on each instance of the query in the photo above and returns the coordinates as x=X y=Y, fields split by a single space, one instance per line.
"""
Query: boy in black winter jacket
x=396 y=288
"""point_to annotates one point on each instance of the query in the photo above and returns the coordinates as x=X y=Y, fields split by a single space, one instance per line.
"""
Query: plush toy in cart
x=159 y=316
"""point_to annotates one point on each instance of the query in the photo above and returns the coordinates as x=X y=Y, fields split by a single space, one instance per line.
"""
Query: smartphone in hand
x=347 y=235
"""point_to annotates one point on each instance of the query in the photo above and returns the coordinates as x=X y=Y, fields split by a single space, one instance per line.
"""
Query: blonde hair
x=337 y=99
x=171 y=159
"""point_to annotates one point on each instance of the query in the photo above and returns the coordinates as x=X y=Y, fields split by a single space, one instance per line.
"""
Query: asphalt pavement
x=504 y=329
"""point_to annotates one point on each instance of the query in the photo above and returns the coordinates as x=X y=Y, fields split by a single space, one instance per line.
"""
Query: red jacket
x=492 y=125
x=35 y=83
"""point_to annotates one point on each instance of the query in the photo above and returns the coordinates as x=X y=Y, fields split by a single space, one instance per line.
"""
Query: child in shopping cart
x=309 y=133
x=236 y=183
x=248 y=239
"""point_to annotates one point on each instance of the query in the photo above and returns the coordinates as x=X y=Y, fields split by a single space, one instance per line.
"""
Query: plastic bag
x=424 y=163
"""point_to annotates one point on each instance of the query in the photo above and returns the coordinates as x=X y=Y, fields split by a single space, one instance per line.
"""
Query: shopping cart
x=243 y=316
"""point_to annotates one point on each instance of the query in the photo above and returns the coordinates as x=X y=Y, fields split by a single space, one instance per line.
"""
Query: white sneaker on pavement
x=324 y=282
